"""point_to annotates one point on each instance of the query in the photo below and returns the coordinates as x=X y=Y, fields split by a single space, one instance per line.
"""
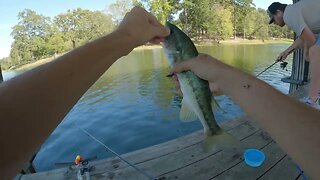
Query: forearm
x=53 y=89
x=298 y=43
x=292 y=124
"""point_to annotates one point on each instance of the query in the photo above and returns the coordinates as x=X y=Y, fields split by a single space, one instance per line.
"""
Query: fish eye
x=178 y=48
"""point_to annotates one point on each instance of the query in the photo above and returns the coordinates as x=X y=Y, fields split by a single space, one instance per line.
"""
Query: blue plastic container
x=253 y=157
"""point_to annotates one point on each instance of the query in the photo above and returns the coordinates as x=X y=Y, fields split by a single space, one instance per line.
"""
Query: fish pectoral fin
x=186 y=114
x=216 y=106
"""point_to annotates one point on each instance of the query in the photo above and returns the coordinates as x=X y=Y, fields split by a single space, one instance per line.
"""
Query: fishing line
x=116 y=154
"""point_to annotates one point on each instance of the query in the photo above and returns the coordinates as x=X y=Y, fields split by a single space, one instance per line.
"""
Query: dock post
x=1 y=77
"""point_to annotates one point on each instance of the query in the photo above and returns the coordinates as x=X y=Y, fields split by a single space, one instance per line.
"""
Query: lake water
x=134 y=105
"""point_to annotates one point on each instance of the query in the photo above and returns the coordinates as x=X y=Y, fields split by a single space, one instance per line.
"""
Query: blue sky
x=9 y=10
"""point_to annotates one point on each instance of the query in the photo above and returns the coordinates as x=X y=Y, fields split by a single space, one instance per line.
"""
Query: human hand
x=283 y=56
x=200 y=65
x=214 y=88
x=141 y=27
x=201 y=61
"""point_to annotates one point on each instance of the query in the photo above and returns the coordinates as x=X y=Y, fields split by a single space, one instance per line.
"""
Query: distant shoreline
x=238 y=41
x=246 y=41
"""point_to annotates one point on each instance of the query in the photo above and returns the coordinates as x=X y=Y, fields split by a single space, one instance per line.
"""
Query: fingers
x=138 y=9
x=280 y=57
x=179 y=92
x=284 y=57
x=153 y=20
x=215 y=89
x=183 y=66
x=156 y=40
x=143 y=27
x=159 y=29
x=178 y=89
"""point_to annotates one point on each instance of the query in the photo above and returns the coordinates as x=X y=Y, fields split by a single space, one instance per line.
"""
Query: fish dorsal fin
x=186 y=114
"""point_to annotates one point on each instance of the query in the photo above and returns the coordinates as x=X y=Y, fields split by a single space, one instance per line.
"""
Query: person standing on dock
x=303 y=18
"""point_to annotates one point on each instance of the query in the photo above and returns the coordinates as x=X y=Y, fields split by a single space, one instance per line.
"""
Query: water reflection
x=134 y=105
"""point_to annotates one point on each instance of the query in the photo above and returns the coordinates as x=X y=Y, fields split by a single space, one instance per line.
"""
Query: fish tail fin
x=223 y=140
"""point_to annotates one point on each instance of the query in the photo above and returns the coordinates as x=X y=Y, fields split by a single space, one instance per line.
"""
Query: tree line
x=37 y=36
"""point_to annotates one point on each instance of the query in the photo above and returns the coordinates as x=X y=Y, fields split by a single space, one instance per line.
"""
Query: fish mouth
x=168 y=42
x=171 y=27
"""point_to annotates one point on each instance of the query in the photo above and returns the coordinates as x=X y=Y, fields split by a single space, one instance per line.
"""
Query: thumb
x=161 y=31
x=180 y=67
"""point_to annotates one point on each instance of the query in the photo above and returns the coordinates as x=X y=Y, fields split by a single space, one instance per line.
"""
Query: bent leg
x=314 y=55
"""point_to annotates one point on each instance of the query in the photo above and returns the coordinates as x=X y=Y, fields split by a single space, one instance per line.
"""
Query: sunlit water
x=134 y=105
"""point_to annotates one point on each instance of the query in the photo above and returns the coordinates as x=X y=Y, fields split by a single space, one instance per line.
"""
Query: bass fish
x=197 y=101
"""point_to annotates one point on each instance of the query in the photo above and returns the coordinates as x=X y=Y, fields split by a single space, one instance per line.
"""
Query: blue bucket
x=253 y=157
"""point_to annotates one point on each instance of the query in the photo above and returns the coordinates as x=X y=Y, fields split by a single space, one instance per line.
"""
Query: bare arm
x=34 y=103
x=295 y=126
x=308 y=36
x=294 y=46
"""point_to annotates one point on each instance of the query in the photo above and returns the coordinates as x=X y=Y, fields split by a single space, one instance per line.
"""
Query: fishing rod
x=116 y=154
x=282 y=65
x=267 y=68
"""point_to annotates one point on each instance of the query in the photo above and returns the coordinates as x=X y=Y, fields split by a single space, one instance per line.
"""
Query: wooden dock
x=183 y=158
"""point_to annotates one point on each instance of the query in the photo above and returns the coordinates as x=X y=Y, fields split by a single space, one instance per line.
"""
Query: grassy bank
x=36 y=63
x=255 y=41
x=246 y=41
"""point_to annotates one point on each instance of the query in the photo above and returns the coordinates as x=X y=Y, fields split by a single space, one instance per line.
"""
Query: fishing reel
x=283 y=65
x=81 y=166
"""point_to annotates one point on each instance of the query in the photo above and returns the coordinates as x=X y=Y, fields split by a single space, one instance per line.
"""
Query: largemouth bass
x=197 y=99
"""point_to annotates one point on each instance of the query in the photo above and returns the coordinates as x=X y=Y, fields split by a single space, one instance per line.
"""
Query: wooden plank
x=285 y=169
x=301 y=92
x=107 y=166
x=140 y=156
x=220 y=162
x=274 y=155
x=198 y=169
x=179 y=159
x=303 y=175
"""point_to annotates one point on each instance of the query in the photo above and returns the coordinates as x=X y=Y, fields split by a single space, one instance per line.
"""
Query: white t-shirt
x=301 y=14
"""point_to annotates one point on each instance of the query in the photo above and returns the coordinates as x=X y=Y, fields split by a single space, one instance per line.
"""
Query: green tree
x=6 y=63
x=29 y=35
x=80 y=26
x=219 y=24
x=194 y=16
x=119 y=9
x=162 y=9
x=36 y=36
x=262 y=28
x=241 y=8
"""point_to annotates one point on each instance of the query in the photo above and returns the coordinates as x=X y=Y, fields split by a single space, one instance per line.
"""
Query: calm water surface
x=134 y=105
